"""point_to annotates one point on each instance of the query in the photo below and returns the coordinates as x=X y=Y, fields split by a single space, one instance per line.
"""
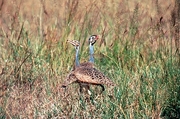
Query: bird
x=89 y=75
x=76 y=44
x=86 y=73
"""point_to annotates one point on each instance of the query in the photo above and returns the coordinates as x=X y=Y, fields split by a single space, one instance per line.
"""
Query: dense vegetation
x=138 y=50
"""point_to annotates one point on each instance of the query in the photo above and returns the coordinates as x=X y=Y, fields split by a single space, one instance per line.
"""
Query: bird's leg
x=103 y=89
x=86 y=86
x=87 y=90
x=80 y=88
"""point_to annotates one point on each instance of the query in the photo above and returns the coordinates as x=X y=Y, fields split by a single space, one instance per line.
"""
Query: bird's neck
x=91 y=51
x=77 y=57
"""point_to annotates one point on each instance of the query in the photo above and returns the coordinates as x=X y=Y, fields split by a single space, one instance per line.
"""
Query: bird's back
x=84 y=64
x=87 y=64
x=92 y=76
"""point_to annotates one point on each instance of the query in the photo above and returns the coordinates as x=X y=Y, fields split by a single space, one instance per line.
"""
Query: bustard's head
x=75 y=43
x=93 y=39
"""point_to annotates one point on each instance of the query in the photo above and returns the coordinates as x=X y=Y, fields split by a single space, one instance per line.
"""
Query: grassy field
x=138 y=49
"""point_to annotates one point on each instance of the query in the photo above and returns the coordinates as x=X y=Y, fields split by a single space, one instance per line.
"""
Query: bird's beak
x=73 y=42
x=97 y=37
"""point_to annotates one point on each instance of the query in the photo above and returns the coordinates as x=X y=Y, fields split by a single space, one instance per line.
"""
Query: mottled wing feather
x=86 y=79
x=91 y=75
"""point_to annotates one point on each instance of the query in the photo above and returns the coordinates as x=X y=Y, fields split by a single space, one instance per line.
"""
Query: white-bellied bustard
x=76 y=44
x=85 y=72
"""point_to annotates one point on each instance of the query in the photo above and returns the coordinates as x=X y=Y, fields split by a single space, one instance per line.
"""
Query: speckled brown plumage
x=90 y=76
x=85 y=73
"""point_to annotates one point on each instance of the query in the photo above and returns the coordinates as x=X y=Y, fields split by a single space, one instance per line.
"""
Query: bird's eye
x=91 y=39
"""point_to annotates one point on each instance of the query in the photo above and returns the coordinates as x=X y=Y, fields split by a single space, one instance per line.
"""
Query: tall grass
x=137 y=52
